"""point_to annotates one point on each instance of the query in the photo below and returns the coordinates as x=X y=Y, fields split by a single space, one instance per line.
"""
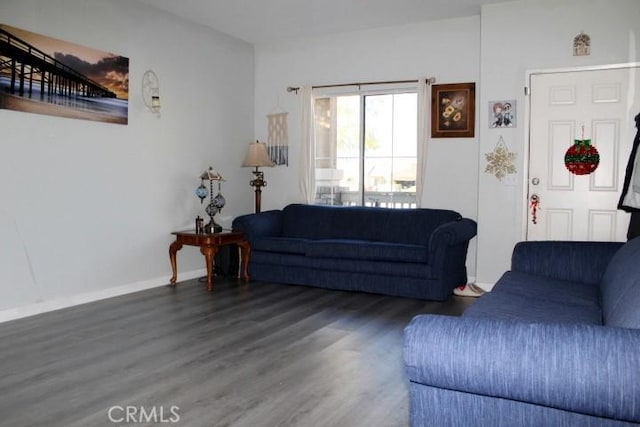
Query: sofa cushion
x=578 y=261
x=285 y=245
x=507 y=306
x=401 y=270
x=412 y=226
x=551 y=290
x=360 y=249
x=620 y=287
x=382 y=268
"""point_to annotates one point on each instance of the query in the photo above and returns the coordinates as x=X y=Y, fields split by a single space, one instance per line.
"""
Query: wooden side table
x=209 y=245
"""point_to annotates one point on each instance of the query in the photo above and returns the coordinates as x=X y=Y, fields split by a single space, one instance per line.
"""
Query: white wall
x=87 y=206
x=523 y=36
x=447 y=50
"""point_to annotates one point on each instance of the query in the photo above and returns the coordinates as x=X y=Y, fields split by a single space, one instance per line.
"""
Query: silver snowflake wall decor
x=500 y=161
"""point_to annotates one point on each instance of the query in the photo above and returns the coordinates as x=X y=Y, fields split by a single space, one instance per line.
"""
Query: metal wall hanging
x=151 y=91
x=500 y=161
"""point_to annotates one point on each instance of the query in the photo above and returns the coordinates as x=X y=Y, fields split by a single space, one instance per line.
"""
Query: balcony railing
x=386 y=199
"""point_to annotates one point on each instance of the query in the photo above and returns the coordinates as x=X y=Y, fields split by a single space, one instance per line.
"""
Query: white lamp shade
x=257 y=155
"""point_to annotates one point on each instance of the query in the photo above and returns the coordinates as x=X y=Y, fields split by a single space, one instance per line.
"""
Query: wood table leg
x=245 y=255
x=209 y=253
x=173 y=249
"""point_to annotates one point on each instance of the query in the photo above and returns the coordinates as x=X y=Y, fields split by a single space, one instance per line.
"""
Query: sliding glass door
x=366 y=150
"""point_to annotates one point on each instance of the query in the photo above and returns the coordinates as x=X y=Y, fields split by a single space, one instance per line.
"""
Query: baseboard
x=60 y=303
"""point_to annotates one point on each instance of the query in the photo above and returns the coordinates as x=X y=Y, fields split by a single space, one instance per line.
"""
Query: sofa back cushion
x=413 y=226
x=620 y=287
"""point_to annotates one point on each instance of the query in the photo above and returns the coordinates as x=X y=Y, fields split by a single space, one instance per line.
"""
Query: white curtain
x=424 y=128
x=308 y=146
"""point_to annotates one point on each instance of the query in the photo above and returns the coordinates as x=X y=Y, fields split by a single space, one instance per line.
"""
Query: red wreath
x=581 y=158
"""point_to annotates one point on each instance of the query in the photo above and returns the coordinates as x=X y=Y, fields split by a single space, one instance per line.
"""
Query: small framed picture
x=502 y=114
x=453 y=110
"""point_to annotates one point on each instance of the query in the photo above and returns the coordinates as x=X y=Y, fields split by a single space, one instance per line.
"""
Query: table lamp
x=216 y=203
x=257 y=156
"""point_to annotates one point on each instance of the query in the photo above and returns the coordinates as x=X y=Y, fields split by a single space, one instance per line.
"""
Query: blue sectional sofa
x=556 y=343
x=419 y=253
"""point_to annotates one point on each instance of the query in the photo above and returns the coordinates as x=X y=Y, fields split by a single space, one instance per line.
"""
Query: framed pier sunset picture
x=43 y=75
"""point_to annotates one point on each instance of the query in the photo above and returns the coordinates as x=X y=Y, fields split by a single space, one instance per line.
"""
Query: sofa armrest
x=583 y=262
x=263 y=224
x=452 y=233
x=448 y=246
x=587 y=369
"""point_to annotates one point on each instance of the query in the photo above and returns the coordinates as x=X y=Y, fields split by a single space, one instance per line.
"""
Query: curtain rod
x=430 y=80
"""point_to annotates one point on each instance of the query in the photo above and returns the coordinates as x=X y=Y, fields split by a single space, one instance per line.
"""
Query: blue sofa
x=419 y=253
x=556 y=343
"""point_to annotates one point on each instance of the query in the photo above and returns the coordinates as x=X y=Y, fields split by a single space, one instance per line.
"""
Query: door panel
x=608 y=173
x=559 y=223
x=597 y=105
x=602 y=225
x=559 y=134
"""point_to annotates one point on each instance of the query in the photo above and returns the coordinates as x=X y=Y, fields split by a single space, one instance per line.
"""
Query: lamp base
x=212 y=227
x=258 y=183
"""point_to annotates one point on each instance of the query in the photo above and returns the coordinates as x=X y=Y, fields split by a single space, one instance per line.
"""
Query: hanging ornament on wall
x=500 y=161
x=278 y=139
x=581 y=158
x=582 y=45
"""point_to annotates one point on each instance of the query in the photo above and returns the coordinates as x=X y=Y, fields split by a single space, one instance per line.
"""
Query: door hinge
x=527 y=91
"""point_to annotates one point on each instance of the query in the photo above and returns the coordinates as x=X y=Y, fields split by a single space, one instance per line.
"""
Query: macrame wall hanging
x=581 y=158
x=500 y=161
x=278 y=139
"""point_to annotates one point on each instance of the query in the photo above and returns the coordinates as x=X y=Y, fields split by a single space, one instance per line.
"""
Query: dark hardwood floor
x=244 y=355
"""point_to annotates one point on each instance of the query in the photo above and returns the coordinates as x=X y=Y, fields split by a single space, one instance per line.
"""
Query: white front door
x=599 y=105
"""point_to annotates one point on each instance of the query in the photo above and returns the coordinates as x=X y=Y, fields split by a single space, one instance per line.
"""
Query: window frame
x=333 y=93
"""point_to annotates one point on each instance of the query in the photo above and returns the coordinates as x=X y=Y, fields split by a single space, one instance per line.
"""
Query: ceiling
x=263 y=21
